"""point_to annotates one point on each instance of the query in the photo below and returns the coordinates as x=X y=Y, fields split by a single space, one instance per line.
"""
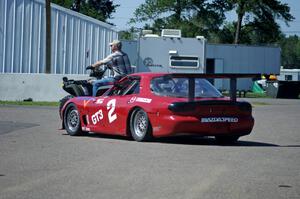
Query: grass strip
x=22 y=103
x=259 y=103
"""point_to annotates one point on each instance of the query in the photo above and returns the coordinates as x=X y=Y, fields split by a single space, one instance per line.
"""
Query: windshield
x=179 y=87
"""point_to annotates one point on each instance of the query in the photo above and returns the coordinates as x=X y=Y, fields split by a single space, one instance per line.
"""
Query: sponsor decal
x=99 y=101
x=112 y=116
x=140 y=99
x=85 y=102
x=219 y=119
x=157 y=128
x=148 y=61
x=132 y=100
x=85 y=128
x=144 y=100
x=97 y=117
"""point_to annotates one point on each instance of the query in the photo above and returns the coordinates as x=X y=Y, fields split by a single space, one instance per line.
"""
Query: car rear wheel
x=140 y=126
x=72 y=120
x=227 y=139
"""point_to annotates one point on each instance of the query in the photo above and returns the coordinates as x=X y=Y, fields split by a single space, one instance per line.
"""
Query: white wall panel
x=77 y=40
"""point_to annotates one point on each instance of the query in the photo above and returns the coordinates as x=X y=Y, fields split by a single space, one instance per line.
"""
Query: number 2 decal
x=111 y=106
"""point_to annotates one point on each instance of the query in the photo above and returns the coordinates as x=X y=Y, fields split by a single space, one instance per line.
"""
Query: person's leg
x=96 y=85
x=101 y=82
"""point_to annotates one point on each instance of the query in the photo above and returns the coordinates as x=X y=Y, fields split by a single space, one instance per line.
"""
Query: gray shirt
x=119 y=62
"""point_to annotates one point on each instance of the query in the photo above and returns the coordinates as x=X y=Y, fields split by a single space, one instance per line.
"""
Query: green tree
x=131 y=34
x=260 y=16
x=98 y=9
x=252 y=33
x=290 y=52
x=63 y=3
x=193 y=17
x=255 y=24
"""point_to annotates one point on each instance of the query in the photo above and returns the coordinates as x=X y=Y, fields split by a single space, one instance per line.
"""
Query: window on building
x=288 y=77
x=177 y=61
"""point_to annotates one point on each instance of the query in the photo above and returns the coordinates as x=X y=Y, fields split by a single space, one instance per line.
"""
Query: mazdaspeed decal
x=219 y=119
x=140 y=99
x=145 y=100
x=132 y=100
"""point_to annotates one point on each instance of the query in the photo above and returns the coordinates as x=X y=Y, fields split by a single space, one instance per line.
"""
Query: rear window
x=179 y=87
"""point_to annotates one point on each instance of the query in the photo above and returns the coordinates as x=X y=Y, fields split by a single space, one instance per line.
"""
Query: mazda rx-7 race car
x=147 y=105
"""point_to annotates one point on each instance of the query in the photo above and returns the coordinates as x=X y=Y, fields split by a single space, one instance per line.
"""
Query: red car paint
x=109 y=114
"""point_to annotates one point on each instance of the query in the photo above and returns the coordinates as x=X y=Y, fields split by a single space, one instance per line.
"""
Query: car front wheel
x=63 y=101
x=72 y=120
x=140 y=126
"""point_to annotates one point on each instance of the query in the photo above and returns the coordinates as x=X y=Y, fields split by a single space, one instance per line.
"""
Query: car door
x=118 y=105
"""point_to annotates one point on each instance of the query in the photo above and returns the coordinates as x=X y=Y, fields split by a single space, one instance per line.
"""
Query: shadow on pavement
x=196 y=140
x=191 y=140
x=11 y=126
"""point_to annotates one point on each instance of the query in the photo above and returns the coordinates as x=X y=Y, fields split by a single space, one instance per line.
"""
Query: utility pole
x=48 y=37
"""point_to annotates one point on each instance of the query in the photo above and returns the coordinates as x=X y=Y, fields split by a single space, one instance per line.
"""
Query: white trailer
x=172 y=53
x=287 y=84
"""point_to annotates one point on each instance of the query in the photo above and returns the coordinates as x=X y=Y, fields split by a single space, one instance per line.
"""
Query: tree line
x=98 y=9
x=255 y=22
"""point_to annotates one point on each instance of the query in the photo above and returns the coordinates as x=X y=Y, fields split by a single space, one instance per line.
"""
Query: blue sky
x=125 y=12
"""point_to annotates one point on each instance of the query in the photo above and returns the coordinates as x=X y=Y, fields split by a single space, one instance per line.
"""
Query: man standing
x=117 y=61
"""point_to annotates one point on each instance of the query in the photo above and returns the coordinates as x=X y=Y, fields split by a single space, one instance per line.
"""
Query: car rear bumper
x=172 y=125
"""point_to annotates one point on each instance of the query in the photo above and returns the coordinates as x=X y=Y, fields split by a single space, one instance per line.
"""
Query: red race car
x=147 y=105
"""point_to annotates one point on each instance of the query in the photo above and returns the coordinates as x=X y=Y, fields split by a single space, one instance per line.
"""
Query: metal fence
x=77 y=40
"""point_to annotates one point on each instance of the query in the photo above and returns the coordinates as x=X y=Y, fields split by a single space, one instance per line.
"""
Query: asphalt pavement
x=37 y=160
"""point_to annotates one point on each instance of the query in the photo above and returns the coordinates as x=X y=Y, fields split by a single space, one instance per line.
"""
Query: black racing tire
x=72 y=120
x=140 y=126
x=63 y=101
x=224 y=140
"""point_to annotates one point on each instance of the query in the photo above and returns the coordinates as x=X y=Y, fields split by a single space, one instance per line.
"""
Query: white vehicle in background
x=286 y=85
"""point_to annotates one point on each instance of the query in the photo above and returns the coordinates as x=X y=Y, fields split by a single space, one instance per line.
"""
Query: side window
x=179 y=87
x=162 y=85
x=126 y=88
x=133 y=88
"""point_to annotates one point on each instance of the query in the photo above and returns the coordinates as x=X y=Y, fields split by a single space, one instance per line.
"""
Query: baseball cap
x=115 y=42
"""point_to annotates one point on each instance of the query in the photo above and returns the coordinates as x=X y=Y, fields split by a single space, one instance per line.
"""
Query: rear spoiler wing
x=232 y=76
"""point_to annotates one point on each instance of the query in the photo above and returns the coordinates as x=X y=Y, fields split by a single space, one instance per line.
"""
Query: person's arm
x=104 y=61
x=98 y=63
